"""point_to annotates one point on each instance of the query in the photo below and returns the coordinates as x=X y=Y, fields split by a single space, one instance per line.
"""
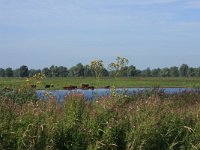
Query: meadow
x=59 y=82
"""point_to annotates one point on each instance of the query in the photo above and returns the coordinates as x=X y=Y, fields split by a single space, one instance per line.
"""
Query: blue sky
x=150 y=33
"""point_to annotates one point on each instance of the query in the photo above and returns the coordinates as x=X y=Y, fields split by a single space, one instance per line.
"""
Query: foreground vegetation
x=59 y=82
x=147 y=121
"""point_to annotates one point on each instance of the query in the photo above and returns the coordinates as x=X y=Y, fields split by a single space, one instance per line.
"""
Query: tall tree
x=54 y=71
x=62 y=71
x=191 y=72
x=147 y=72
x=116 y=67
x=46 y=71
x=174 y=71
x=97 y=66
x=2 y=72
x=16 y=73
x=183 y=70
x=156 y=72
x=138 y=73
x=9 y=72
x=105 y=72
x=23 y=71
x=123 y=71
x=197 y=72
x=87 y=71
x=131 y=72
x=76 y=71
x=79 y=70
x=165 y=72
x=33 y=72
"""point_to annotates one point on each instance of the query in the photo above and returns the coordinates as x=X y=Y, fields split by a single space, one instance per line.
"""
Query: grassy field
x=59 y=83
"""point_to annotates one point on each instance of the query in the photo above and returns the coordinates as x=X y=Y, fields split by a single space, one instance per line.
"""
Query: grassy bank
x=146 y=121
x=59 y=83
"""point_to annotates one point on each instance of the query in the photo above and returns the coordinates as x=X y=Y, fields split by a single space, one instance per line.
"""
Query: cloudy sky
x=150 y=33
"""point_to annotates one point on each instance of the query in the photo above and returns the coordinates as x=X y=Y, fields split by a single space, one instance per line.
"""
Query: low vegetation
x=59 y=83
x=148 y=121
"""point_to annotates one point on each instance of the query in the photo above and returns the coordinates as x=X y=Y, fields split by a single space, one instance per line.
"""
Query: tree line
x=97 y=69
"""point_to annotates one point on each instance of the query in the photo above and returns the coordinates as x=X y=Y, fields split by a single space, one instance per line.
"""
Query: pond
x=92 y=94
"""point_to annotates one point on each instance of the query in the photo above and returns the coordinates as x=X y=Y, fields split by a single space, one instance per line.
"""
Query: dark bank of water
x=92 y=94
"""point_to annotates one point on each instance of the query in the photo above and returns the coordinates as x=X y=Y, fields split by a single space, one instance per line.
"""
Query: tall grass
x=146 y=121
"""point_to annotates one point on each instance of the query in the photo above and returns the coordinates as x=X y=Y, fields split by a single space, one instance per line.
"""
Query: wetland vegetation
x=148 y=120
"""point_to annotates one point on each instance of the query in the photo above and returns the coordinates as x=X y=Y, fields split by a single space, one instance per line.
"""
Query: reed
x=147 y=121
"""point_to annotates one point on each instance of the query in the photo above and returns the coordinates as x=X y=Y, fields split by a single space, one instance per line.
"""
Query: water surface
x=92 y=94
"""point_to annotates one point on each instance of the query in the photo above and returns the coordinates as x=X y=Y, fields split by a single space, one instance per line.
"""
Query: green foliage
x=2 y=72
x=183 y=70
x=23 y=71
x=147 y=72
x=116 y=67
x=97 y=66
x=119 y=68
x=131 y=71
x=20 y=95
x=165 y=72
x=46 y=72
x=174 y=71
x=9 y=72
x=156 y=72
x=146 y=121
x=24 y=93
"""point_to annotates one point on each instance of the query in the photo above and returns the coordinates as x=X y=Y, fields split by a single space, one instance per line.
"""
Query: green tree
x=97 y=66
x=2 y=72
x=46 y=71
x=191 y=72
x=105 y=72
x=165 y=72
x=54 y=71
x=197 y=72
x=62 y=71
x=123 y=72
x=116 y=67
x=131 y=72
x=77 y=71
x=16 y=73
x=183 y=70
x=33 y=72
x=87 y=71
x=138 y=73
x=9 y=72
x=156 y=72
x=71 y=72
x=174 y=71
x=23 y=71
x=147 y=72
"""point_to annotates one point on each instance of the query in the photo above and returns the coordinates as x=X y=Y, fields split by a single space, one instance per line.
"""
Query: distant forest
x=81 y=70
